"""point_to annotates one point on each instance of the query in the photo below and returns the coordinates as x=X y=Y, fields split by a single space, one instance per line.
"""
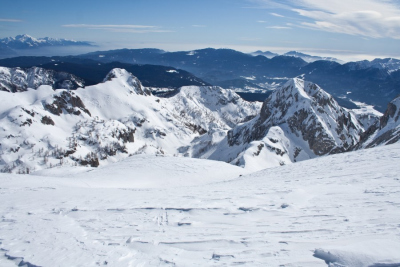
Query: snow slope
x=343 y=208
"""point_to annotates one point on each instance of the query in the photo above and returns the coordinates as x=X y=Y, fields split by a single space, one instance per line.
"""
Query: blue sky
x=350 y=29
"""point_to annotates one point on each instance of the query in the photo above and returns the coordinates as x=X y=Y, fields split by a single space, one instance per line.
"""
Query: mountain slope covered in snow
x=109 y=121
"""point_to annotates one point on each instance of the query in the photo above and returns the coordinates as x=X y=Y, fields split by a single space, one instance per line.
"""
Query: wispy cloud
x=199 y=26
x=277 y=15
x=278 y=27
x=248 y=39
x=261 y=21
x=118 y=28
x=10 y=20
x=367 y=18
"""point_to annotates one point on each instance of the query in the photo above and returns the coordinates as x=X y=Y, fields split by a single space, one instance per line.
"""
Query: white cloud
x=367 y=18
x=11 y=20
x=118 y=28
x=277 y=15
x=199 y=26
x=278 y=27
x=261 y=21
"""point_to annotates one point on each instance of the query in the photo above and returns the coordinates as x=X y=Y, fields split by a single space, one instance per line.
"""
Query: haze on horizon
x=348 y=30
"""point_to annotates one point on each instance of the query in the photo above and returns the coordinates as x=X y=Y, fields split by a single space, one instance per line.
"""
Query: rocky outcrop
x=66 y=102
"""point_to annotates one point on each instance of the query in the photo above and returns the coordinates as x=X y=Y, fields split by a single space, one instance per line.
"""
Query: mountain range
x=254 y=77
x=25 y=41
x=303 y=56
x=106 y=122
x=27 y=45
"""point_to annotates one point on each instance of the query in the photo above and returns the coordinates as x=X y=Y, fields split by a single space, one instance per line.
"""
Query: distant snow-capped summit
x=25 y=41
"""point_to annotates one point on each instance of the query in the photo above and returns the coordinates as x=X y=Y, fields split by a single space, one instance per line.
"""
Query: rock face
x=19 y=80
x=298 y=121
x=384 y=131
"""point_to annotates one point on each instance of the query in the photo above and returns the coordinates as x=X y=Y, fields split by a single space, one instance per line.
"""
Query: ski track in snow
x=346 y=205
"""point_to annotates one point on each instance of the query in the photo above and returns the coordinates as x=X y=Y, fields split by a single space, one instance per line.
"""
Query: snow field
x=165 y=211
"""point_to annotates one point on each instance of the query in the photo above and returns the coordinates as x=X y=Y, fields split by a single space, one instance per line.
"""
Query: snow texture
x=166 y=211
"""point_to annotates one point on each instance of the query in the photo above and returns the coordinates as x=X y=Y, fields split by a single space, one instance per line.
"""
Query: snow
x=172 y=71
x=152 y=211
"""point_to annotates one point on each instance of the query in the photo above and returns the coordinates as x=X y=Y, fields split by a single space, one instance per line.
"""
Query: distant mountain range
x=89 y=72
x=373 y=82
x=25 y=45
x=25 y=41
x=305 y=57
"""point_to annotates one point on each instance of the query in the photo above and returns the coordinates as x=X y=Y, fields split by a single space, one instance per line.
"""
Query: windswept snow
x=159 y=211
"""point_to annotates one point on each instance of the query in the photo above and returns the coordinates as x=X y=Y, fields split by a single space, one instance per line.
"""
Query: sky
x=346 y=29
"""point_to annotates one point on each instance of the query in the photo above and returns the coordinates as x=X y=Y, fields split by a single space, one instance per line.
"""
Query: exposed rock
x=66 y=102
x=47 y=120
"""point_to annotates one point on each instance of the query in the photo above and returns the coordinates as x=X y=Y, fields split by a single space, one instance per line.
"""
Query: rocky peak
x=309 y=118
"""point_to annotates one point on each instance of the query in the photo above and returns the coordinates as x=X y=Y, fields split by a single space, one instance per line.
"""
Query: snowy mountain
x=309 y=58
x=109 y=121
x=305 y=57
x=299 y=121
x=25 y=41
x=387 y=64
x=17 y=79
x=384 y=131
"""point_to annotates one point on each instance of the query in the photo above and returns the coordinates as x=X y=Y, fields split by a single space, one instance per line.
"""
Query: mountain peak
x=127 y=78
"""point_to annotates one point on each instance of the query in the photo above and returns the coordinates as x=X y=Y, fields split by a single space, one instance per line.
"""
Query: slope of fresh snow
x=342 y=209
